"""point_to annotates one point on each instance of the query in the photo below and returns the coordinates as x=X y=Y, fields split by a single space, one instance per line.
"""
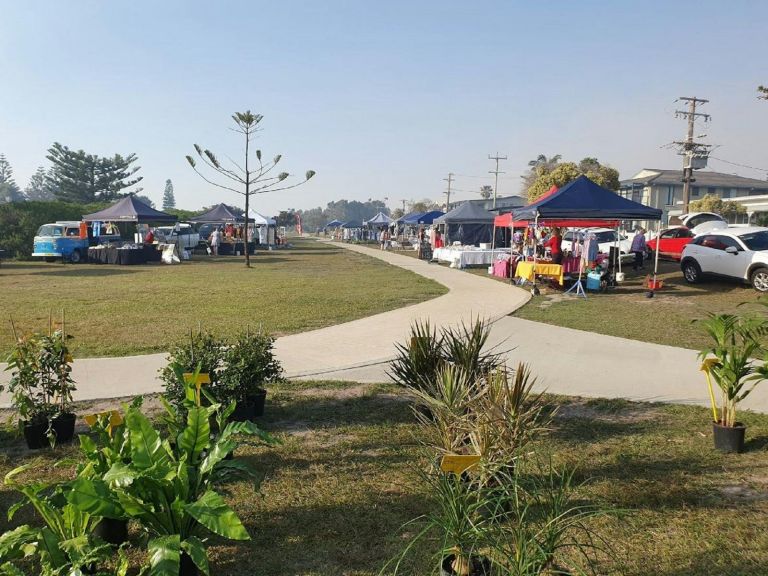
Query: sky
x=381 y=99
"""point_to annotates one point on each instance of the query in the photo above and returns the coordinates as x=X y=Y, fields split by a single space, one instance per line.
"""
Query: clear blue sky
x=382 y=99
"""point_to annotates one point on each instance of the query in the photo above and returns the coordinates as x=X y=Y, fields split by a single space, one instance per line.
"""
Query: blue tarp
x=429 y=217
x=583 y=199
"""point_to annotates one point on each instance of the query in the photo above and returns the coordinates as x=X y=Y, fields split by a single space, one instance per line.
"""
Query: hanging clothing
x=591 y=247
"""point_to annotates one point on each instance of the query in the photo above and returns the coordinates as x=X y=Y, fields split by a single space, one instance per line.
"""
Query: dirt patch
x=336 y=393
x=743 y=493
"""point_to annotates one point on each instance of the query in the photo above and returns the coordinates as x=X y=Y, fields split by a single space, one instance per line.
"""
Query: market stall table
x=124 y=256
x=462 y=257
x=526 y=270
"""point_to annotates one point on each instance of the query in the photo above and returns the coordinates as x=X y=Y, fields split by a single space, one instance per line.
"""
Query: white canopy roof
x=260 y=220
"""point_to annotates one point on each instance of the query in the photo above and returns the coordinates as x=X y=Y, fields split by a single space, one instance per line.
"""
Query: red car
x=673 y=240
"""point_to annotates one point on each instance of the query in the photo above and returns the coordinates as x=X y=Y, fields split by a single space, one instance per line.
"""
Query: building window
x=695 y=192
x=727 y=192
x=670 y=195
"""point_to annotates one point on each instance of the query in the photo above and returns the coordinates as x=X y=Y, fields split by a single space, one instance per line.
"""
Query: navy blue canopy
x=412 y=218
x=334 y=224
x=219 y=213
x=429 y=217
x=129 y=209
x=583 y=199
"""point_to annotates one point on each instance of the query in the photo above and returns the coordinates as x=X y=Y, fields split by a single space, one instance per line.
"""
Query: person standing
x=382 y=239
x=638 y=248
x=214 y=240
x=554 y=244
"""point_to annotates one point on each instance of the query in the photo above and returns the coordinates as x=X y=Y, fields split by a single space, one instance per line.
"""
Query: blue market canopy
x=429 y=217
x=583 y=199
x=468 y=223
x=380 y=219
x=129 y=209
x=467 y=212
x=219 y=213
x=411 y=218
x=334 y=224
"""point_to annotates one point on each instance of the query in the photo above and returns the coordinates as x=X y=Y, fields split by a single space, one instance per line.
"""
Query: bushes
x=19 y=222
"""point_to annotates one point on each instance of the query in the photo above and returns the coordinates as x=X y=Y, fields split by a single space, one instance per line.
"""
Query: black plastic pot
x=729 y=439
x=258 y=399
x=479 y=566
x=36 y=434
x=245 y=411
x=64 y=427
x=186 y=566
x=112 y=531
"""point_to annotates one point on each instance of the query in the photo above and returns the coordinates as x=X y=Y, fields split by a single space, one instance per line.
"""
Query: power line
x=496 y=175
x=690 y=150
x=448 y=192
x=739 y=165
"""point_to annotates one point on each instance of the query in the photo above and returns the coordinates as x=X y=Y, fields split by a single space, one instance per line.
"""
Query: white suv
x=740 y=253
x=606 y=238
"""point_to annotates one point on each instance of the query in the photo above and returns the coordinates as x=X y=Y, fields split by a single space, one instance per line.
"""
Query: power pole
x=403 y=206
x=448 y=192
x=496 y=174
x=689 y=148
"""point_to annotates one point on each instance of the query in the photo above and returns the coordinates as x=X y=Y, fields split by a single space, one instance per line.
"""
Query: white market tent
x=379 y=220
x=267 y=226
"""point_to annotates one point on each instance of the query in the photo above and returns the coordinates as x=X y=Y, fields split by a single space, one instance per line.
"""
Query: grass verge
x=120 y=310
x=343 y=482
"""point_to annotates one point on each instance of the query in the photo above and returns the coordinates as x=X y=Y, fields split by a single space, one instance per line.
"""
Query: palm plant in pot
x=249 y=364
x=730 y=362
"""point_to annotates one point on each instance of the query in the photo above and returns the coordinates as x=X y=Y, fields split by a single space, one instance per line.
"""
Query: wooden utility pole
x=689 y=148
x=496 y=175
x=448 y=192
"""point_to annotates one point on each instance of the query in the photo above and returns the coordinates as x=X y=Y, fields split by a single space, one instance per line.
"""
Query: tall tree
x=9 y=190
x=486 y=191
x=81 y=177
x=39 y=187
x=246 y=179
x=567 y=171
x=763 y=91
x=538 y=167
x=169 y=200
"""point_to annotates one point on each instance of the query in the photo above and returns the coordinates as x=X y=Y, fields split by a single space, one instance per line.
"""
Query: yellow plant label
x=458 y=463
x=203 y=378
x=115 y=418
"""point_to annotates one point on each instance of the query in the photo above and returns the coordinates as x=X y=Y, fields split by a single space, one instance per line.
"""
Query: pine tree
x=169 y=201
x=81 y=177
x=39 y=187
x=9 y=191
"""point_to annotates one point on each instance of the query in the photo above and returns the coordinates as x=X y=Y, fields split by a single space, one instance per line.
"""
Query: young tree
x=486 y=191
x=246 y=179
x=9 y=191
x=81 y=177
x=39 y=188
x=169 y=200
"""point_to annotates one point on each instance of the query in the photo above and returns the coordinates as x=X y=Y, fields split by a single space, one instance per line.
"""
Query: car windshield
x=755 y=240
x=50 y=230
x=606 y=237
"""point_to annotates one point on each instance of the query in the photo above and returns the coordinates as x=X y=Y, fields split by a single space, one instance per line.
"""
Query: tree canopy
x=81 y=177
x=486 y=191
x=763 y=91
x=545 y=173
x=713 y=203
x=9 y=190
x=40 y=186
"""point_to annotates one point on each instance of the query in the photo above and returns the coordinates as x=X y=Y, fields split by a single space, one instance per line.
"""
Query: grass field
x=118 y=310
x=343 y=482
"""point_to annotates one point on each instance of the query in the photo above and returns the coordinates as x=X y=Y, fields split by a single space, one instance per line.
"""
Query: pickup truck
x=182 y=235
x=67 y=240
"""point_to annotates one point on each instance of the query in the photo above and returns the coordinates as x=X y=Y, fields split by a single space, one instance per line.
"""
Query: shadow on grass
x=756 y=444
x=357 y=537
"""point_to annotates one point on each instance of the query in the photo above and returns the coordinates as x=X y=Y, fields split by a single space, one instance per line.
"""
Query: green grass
x=343 y=482
x=119 y=310
x=626 y=312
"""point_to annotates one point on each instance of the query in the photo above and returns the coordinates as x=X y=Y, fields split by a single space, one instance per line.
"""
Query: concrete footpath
x=565 y=361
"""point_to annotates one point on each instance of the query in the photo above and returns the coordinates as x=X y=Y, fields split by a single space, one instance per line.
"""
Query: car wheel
x=692 y=272
x=759 y=279
x=75 y=257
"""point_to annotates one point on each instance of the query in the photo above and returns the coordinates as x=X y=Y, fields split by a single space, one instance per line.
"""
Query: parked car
x=737 y=253
x=182 y=234
x=205 y=231
x=700 y=222
x=67 y=240
x=672 y=241
x=606 y=238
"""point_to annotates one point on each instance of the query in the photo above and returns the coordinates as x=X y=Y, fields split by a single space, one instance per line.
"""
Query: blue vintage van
x=66 y=240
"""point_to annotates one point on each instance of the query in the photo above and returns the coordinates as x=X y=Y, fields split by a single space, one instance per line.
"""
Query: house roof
x=651 y=176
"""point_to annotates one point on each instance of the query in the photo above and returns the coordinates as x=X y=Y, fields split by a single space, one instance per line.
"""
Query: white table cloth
x=462 y=257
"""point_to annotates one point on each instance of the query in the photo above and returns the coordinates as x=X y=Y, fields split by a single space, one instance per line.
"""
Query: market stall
x=467 y=256
x=128 y=210
x=264 y=229
x=579 y=203
x=467 y=224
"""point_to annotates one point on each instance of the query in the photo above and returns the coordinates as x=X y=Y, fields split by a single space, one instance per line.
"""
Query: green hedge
x=20 y=220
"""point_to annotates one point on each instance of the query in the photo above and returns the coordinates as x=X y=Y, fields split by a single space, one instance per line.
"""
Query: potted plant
x=55 y=374
x=730 y=362
x=171 y=491
x=250 y=364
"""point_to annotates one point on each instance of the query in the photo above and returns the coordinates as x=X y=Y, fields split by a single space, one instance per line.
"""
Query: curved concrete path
x=565 y=361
